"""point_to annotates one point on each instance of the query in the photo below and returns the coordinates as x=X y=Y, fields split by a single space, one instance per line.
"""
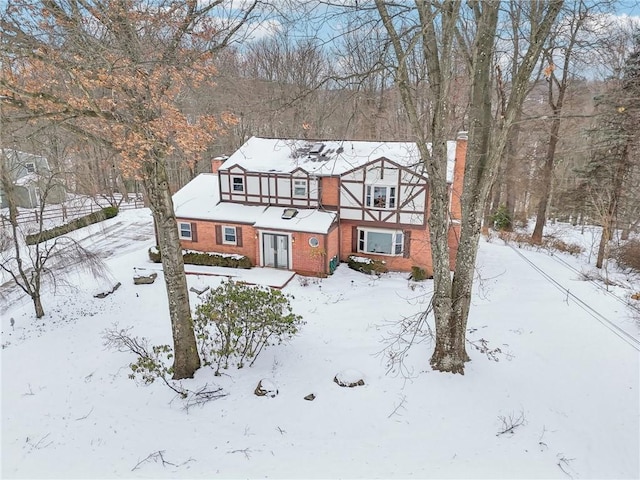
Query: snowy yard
x=567 y=377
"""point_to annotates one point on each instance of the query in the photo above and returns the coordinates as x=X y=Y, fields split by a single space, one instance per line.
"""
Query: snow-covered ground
x=567 y=372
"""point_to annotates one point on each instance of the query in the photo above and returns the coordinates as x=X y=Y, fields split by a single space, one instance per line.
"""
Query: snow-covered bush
x=192 y=257
x=367 y=265
x=236 y=321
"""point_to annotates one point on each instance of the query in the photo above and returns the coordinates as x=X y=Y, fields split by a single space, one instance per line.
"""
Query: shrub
x=627 y=255
x=562 y=246
x=418 y=274
x=154 y=255
x=236 y=321
x=104 y=214
x=209 y=259
x=501 y=219
x=548 y=242
x=367 y=265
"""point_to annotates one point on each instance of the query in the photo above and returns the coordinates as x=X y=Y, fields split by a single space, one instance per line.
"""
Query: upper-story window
x=30 y=167
x=299 y=188
x=238 y=184
x=380 y=196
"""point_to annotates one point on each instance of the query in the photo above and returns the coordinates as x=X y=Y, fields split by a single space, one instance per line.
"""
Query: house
x=31 y=179
x=308 y=205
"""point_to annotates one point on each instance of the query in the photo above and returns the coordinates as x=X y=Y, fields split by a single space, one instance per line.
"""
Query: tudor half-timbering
x=305 y=206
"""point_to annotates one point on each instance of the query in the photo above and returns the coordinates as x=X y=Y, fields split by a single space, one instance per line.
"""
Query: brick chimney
x=458 y=175
x=217 y=162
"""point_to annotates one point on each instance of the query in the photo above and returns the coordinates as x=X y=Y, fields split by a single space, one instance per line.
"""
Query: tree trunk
x=450 y=353
x=37 y=304
x=604 y=241
x=510 y=175
x=545 y=181
x=186 y=359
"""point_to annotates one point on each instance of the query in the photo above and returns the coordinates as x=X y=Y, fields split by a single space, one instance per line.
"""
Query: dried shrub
x=627 y=255
x=562 y=246
x=548 y=242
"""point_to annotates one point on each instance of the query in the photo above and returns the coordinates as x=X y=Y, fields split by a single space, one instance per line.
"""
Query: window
x=299 y=188
x=229 y=235
x=185 y=231
x=314 y=242
x=385 y=242
x=238 y=184
x=380 y=197
x=30 y=167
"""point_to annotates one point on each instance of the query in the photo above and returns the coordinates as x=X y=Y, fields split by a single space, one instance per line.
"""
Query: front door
x=275 y=250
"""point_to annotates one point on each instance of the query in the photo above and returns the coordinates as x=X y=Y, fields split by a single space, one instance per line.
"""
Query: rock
x=106 y=294
x=311 y=397
x=349 y=378
x=144 y=279
x=266 y=388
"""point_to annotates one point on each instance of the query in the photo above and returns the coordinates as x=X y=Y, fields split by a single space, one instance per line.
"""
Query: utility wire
x=594 y=282
x=625 y=336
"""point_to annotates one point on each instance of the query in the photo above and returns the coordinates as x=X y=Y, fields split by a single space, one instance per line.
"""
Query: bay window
x=384 y=242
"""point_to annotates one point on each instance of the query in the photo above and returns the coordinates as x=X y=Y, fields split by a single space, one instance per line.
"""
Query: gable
x=384 y=170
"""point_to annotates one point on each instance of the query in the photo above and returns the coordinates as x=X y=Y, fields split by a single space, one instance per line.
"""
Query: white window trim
x=234 y=184
x=180 y=224
x=299 y=184
x=224 y=235
x=394 y=242
x=370 y=200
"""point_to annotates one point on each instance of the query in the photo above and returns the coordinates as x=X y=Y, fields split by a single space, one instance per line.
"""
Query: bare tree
x=435 y=26
x=563 y=54
x=48 y=262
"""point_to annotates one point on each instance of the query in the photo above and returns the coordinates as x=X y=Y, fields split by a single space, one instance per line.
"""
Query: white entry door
x=275 y=250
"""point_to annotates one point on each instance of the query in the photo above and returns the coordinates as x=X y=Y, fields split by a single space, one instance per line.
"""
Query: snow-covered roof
x=306 y=220
x=28 y=179
x=325 y=157
x=200 y=200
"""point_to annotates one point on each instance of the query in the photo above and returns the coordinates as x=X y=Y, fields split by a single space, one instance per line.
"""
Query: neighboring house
x=31 y=178
x=307 y=205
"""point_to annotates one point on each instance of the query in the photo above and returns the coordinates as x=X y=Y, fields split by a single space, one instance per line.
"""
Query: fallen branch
x=510 y=423
x=82 y=418
x=155 y=456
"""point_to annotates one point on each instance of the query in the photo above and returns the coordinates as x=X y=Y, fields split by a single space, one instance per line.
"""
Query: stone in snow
x=266 y=388
x=349 y=378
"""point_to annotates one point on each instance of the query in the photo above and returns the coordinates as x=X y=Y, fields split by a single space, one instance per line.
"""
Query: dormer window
x=299 y=188
x=30 y=167
x=238 y=184
x=380 y=197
